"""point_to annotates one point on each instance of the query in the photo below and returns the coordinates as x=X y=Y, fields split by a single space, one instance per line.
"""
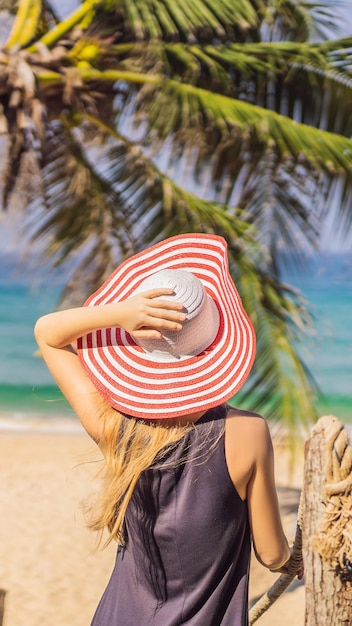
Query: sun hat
x=196 y=368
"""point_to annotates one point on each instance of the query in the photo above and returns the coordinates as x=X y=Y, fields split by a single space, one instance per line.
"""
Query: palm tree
x=139 y=119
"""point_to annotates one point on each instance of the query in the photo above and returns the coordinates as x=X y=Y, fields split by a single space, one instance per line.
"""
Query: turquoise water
x=327 y=284
x=26 y=386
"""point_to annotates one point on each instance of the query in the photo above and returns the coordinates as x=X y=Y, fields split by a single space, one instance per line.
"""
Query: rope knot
x=333 y=541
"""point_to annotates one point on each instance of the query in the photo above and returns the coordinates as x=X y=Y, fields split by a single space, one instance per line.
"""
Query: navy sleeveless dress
x=187 y=553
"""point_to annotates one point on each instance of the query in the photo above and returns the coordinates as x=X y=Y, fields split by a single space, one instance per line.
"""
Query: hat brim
x=129 y=379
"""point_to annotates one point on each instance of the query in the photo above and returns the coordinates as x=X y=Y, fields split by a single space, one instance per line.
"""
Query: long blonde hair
x=130 y=446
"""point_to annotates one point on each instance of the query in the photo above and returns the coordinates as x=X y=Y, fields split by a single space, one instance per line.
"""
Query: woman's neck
x=183 y=420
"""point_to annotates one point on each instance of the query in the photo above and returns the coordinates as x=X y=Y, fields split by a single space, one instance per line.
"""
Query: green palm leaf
x=150 y=117
x=81 y=208
x=151 y=199
x=280 y=384
x=112 y=205
x=189 y=104
x=159 y=19
x=154 y=208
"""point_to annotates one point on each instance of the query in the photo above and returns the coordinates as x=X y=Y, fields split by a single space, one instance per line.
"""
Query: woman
x=159 y=349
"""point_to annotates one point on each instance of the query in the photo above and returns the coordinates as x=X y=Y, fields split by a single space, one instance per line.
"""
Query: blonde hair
x=130 y=446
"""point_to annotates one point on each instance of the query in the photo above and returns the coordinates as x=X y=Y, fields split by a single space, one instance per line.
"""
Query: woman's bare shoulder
x=250 y=419
x=233 y=411
x=246 y=427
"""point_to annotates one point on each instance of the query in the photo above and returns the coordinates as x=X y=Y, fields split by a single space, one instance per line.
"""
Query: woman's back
x=188 y=541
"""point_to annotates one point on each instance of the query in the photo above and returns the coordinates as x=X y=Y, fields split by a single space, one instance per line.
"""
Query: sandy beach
x=49 y=565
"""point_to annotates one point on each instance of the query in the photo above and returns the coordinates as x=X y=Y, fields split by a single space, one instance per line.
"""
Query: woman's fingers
x=156 y=300
x=148 y=314
x=157 y=293
x=150 y=331
x=165 y=320
x=165 y=314
x=147 y=333
x=157 y=319
x=169 y=305
x=169 y=313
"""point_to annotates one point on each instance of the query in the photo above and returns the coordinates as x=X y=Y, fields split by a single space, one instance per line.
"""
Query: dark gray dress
x=186 y=560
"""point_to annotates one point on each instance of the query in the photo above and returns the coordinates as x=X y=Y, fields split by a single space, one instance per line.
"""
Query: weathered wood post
x=327 y=525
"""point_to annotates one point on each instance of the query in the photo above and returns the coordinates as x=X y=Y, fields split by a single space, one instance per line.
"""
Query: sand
x=49 y=566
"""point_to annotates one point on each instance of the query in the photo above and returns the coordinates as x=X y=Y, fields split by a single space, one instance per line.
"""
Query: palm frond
x=280 y=385
x=133 y=20
x=284 y=202
x=194 y=81
x=189 y=107
x=184 y=20
x=26 y=23
x=155 y=207
x=154 y=201
x=80 y=207
x=309 y=83
x=115 y=204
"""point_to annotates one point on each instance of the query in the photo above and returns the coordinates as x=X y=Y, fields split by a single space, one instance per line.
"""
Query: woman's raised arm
x=143 y=315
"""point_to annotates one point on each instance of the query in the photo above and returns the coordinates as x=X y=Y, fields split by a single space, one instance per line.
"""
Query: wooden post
x=2 y=605
x=328 y=588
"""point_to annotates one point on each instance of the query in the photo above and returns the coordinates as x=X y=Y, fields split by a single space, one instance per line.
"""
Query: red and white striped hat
x=194 y=369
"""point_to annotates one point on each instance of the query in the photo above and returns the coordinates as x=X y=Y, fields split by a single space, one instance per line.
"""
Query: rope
x=284 y=580
x=333 y=541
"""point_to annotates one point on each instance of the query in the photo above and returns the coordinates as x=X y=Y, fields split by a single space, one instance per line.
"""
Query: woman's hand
x=147 y=314
x=143 y=315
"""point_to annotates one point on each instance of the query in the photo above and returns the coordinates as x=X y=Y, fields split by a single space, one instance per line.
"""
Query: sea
x=29 y=396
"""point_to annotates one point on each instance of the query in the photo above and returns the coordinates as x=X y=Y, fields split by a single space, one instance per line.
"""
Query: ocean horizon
x=28 y=392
